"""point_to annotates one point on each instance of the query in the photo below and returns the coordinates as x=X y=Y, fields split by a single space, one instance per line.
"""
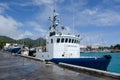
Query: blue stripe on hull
x=96 y=63
x=14 y=50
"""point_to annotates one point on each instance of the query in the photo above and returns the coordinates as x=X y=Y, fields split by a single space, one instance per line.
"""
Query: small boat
x=25 y=51
x=14 y=48
x=20 y=49
x=65 y=47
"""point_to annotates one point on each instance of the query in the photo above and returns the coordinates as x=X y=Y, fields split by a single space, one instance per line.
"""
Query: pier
x=13 y=67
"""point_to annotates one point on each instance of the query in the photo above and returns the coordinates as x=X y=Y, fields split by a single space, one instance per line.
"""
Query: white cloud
x=92 y=39
x=11 y=28
x=47 y=2
x=27 y=34
x=98 y=15
x=98 y=18
x=8 y=26
x=43 y=16
x=47 y=10
x=37 y=27
x=44 y=2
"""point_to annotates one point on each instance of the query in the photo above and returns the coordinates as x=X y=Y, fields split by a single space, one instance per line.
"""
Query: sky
x=97 y=21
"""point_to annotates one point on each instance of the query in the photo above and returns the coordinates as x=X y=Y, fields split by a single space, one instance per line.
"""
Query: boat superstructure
x=60 y=45
x=65 y=47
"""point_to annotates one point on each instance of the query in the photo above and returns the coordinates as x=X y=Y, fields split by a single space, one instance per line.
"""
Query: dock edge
x=90 y=71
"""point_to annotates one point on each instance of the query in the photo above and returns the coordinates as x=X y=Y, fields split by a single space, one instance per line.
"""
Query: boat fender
x=107 y=56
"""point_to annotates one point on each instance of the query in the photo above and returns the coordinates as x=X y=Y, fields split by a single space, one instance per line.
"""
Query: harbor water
x=114 y=65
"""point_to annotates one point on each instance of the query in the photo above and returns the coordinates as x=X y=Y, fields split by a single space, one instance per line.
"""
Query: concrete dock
x=20 y=68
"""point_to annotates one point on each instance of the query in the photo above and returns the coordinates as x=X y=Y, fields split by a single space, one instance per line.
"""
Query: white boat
x=65 y=47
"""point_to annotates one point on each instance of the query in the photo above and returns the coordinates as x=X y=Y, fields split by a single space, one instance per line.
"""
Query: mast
x=54 y=21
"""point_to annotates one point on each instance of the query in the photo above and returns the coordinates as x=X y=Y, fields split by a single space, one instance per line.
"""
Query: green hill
x=27 y=41
x=4 y=40
x=30 y=42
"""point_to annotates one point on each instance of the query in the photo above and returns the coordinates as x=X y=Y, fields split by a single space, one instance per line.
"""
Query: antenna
x=73 y=19
x=73 y=24
x=54 y=20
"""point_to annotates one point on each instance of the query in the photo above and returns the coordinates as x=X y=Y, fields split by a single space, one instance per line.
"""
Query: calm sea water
x=114 y=65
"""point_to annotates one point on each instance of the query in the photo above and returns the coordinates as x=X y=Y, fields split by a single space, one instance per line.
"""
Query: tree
x=117 y=46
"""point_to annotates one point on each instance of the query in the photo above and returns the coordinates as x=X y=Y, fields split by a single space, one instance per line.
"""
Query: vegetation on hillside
x=117 y=46
x=4 y=40
x=27 y=41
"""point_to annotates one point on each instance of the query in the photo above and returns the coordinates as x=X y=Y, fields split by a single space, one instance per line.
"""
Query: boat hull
x=96 y=63
x=14 y=50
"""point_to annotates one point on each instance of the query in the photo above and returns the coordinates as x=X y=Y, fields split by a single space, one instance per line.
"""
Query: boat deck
x=20 y=68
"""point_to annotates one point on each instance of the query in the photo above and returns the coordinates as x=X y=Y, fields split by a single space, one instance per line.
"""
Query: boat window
x=66 y=40
x=78 y=41
x=69 y=40
x=62 y=40
x=75 y=41
x=58 y=40
x=52 y=33
x=51 y=40
x=72 y=40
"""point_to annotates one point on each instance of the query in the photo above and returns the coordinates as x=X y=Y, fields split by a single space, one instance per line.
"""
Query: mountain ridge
x=27 y=41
